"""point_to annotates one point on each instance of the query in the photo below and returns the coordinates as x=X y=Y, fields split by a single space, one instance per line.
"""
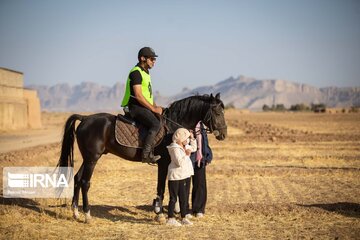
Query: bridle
x=207 y=119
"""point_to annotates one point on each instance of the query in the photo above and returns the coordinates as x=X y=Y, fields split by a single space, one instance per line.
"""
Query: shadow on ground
x=34 y=206
x=343 y=208
x=111 y=213
x=116 y=213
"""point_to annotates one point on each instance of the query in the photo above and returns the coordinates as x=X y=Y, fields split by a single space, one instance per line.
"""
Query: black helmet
x=147 y=52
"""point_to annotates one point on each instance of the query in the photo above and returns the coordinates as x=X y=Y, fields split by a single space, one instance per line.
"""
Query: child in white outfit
x=179 y=170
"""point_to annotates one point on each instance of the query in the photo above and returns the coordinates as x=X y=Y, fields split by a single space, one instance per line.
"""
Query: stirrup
x=155 y=160
x=150 y=160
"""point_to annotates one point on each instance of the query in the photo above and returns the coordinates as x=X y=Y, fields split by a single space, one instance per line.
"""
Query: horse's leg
x=85 y=185
x=77 y=185
x=161 y=183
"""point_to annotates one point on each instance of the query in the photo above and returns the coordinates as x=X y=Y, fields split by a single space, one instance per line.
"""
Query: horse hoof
x=88 y=218
x=76 y=214
x=160 y=218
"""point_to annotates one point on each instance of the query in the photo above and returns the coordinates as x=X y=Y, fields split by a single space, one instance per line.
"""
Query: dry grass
x=297 y=178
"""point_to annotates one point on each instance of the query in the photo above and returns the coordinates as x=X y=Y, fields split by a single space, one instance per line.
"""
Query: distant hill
x=242 y=92
x=87 y=96
x=251 y=93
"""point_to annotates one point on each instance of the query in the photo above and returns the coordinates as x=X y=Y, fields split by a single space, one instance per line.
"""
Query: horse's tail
x=67 y=148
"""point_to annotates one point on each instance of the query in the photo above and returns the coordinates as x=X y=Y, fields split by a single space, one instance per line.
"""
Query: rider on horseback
x=138 y=99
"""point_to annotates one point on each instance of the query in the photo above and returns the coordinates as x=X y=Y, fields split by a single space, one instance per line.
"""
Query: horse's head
x=189 y=111
x=215 y=118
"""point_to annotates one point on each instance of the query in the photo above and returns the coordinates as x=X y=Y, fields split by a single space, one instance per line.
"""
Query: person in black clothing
x=199 y=190
x=138 y=99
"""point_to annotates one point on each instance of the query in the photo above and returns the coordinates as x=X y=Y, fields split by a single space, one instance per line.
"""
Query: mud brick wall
x=11 y=78
x=33 y=108
x=13 y=114
x=19 y=107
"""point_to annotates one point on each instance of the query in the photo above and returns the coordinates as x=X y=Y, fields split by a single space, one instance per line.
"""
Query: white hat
x=181 y=135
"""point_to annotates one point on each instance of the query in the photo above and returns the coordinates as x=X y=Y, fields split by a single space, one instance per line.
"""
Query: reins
x=178 y=124
x=168 y=119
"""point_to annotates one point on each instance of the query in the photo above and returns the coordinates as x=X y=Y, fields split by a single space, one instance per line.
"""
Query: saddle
x=129 y=133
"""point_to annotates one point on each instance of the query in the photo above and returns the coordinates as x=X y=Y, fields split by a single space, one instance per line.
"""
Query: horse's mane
x=194 y=104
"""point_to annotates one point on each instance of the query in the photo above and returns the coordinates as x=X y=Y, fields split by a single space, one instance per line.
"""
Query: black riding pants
x=148 y=119
x=187 y=189
x=177 y=188
x=199 y=191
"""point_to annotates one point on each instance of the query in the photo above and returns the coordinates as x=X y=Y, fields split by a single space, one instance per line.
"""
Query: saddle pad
x=129 y=135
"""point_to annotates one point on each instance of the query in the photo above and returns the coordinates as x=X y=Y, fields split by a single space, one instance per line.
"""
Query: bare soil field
x=276 y=176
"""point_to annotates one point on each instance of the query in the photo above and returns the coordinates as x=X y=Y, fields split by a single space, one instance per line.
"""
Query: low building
x=19 y=107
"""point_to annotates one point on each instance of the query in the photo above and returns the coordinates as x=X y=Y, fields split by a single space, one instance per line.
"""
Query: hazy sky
x=198 y=42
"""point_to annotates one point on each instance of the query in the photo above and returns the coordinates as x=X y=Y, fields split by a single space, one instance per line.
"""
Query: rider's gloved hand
x=158 y=110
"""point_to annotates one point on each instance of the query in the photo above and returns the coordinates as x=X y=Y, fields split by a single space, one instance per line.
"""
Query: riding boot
x=152 y=156
x=148 y=154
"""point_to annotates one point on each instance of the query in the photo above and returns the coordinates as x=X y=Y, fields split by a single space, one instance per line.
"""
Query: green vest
x=145 y=87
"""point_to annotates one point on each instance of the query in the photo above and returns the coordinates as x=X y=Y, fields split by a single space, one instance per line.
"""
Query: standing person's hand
x=191 y=134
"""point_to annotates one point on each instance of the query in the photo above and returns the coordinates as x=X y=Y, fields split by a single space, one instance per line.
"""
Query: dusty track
x=277 y=176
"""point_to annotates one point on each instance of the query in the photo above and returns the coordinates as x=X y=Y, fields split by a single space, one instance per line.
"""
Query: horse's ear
x=211 y=96
x=217 y=97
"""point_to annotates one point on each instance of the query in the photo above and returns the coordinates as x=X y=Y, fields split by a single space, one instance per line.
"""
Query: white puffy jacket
x=181 y=166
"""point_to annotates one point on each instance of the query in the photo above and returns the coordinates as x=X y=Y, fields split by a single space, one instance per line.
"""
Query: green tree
x=321 y=107
x=280 y=108
x=266 y=108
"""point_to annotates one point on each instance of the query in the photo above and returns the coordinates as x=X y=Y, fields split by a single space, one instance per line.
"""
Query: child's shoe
x=173 y=222
x=199 y=215
x=186 y=221
x=188 y=216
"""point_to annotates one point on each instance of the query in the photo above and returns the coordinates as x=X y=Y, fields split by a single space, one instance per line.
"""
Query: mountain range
x=240 y=92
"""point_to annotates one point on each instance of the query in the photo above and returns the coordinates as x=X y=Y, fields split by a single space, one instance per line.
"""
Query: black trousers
x=177 y=188
x=147 y=118
x=187 y=191
x=199 y=191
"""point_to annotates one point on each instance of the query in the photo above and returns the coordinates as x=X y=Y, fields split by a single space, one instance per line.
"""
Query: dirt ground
x=276 y=176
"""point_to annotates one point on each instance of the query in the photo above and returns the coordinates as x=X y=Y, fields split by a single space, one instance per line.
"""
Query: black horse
x=96 y=136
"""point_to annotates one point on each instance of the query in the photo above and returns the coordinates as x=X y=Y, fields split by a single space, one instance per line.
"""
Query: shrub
x=299 y=108
x=354 y=109
x=229 y=105
x=266 y=108
x=280 y=108
x=321 y=107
